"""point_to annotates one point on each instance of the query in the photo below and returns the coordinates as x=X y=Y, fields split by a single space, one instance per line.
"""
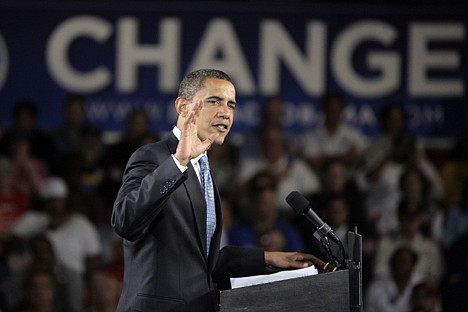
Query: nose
x=224 y=112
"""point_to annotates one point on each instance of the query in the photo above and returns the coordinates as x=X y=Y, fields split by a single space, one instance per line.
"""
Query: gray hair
x=195 y=81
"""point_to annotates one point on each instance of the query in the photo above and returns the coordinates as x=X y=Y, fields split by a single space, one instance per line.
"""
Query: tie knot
x=204 y=165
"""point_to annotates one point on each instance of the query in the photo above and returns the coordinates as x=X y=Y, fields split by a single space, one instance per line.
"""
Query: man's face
x=217 y=114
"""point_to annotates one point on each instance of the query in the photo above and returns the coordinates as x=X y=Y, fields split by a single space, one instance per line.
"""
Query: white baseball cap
x=54 y=187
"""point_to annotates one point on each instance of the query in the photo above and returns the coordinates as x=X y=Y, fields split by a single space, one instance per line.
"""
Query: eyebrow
x=218 y=98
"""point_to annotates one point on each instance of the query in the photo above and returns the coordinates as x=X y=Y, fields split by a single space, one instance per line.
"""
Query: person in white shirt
x=333 y=138
x=291 y=173
x=74 y=237
x=392 y=292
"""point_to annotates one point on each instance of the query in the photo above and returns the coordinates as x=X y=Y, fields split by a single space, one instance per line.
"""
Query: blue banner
x=122 y=56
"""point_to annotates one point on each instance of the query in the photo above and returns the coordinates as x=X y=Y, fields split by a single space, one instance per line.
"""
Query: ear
x=181 y=106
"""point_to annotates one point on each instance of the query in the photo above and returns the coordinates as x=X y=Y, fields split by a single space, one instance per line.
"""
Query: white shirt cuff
x=182 y=168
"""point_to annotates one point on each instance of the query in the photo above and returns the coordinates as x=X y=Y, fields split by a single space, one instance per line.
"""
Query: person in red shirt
x=12 y=204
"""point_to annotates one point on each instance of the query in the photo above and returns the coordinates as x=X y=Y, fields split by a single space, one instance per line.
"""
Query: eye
x=214 y=101
x=232 y=106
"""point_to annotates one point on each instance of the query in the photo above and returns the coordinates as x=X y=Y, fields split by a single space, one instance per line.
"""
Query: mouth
x=221 y=127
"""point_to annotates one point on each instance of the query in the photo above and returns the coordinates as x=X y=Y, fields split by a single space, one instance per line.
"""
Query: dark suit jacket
x=161 y=214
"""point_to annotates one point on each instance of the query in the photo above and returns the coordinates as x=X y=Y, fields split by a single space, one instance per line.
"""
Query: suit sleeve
x=235 y=261
x=149 y=180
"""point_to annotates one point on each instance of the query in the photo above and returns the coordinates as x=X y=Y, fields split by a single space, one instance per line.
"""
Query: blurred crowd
x=58 y=251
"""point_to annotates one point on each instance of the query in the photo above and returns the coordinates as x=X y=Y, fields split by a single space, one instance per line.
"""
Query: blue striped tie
x=207 y=185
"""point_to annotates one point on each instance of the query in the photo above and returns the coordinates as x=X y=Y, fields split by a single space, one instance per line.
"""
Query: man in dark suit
x=161 y=211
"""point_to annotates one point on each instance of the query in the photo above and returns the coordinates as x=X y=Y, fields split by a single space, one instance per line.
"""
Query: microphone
x=302 y=206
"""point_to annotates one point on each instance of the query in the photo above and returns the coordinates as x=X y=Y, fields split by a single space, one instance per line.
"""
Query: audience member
x=387 y=157
x=14 y=259
x=117 y=154
x=12 y=204
x=425 y=297
x=454 y=172
x=291 y=173
x=336 y=214
x=43 y=256
x=392 y=291
x=456 y=221
x=336 y=179
x=74 y=238
x=333 y=138
x=41 y=292
x=224 y=166
x=104 y=292
x=272 y=116
x=85 y=171
x=67 y=136
x=415 y=192
x=455 y=282
x=25 y=124
x=266 y=228
x=29 y=172
x=430 y=262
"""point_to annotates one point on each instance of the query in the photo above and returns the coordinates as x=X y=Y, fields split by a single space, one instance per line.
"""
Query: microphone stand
x=323 y=239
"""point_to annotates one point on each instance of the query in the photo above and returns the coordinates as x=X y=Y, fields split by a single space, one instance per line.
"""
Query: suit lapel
x=198 y=204
x=195 y=194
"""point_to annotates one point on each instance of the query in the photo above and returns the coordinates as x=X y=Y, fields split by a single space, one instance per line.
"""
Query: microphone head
x=298 y=202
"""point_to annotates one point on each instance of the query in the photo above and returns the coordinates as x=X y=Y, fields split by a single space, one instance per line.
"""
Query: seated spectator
x=67 y=136
x=13 y=205
x=74 y=238
x=29 y=172
x=387 y=158
x=336 y=214
x=266 y=228
x=415 y=191
x=290 y=173
x=430 y=263
x=104 y=291
x=85 y=171
x=25 y=125
x=224 y=166
x=392 y=292
x=43 y=256
x=456 y=220
x=336 y=179
x=41 y=290
x=272 y=116
x=454 y=172
x=333 y=138
x=425 y=297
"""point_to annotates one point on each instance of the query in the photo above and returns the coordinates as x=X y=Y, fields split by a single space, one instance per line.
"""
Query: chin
x=220 y=140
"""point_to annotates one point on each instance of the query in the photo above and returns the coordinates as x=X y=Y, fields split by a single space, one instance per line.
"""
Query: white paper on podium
x=262 y=279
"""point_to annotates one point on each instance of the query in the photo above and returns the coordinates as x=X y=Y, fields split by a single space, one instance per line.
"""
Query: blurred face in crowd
x=336 y=177
x=333 y=110
x=56 y=208
x=273 y=112
x=74 y=113
x=42 y=290
x=337 y=212
x=265 y=205
x=274 y=145
x=395 y=121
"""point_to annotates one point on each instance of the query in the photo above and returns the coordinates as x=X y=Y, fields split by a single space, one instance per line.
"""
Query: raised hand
x=190 y=145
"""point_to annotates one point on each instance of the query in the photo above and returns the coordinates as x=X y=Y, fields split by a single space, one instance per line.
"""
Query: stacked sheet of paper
x=262 y=279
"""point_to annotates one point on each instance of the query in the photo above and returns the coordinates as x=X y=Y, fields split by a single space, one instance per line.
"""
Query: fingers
x=209 y=141
x=301 y=260
x=193 y=114
x=306 y=256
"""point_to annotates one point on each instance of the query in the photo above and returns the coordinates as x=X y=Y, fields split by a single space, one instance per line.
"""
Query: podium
x=339 y=291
